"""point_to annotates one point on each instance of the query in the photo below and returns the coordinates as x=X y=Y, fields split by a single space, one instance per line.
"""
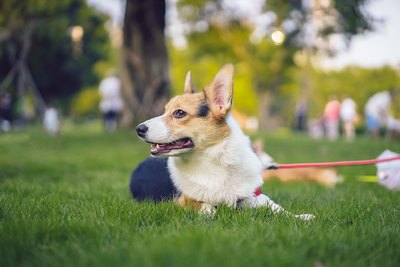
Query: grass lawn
x=65 y=202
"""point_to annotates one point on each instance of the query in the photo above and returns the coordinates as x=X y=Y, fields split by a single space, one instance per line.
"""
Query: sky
x=114 y=8
x=378 y=48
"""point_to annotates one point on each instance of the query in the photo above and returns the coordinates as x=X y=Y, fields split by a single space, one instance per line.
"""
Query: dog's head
x=194 y=120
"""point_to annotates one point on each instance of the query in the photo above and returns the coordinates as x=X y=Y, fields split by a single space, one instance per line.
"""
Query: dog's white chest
x=219 y=176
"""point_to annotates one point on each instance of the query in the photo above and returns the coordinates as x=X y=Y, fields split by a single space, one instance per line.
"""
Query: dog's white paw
x=263 y=200
x=306 y=217
x=207 y=210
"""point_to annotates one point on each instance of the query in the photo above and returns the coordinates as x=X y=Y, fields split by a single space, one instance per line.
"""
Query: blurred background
x=83 y=60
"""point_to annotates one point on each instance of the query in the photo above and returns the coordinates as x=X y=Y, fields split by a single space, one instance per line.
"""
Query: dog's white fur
x=222 y=173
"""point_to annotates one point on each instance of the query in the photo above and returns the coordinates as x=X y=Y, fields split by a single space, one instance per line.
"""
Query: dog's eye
x=179 y=114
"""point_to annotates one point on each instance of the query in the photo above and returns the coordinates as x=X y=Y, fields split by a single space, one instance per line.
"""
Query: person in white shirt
x=377 y=111
x=111 y=103
x=348 y=115
x=51 y=122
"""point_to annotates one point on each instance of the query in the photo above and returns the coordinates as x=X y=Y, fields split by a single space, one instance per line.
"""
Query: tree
x=272 y=63
x=145 y=68
x=38 y=34
x=215 y=26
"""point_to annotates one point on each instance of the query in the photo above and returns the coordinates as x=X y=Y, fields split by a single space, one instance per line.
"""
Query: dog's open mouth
x=161 y=149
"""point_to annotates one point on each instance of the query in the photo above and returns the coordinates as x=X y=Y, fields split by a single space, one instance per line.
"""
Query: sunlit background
x=284 y=53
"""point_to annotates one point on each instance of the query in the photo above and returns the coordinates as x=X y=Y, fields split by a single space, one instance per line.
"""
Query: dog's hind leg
x=263 y=200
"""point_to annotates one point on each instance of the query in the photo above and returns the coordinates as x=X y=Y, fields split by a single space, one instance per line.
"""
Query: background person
x=331 y=118
x=348 y=115
x=377 y=111
x=5 y=112
x=111 y=103
x=51 y=122
x=301 y=116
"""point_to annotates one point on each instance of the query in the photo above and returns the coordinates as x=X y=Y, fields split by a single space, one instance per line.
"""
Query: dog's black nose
x=141 y=130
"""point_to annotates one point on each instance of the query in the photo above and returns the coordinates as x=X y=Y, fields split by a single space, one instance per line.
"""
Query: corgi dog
x=210 y=160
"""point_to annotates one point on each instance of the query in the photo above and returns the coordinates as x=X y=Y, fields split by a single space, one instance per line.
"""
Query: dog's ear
x=189 y=87
x=219 y=93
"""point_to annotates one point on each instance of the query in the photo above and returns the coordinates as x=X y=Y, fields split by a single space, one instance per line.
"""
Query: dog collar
x=257 y=192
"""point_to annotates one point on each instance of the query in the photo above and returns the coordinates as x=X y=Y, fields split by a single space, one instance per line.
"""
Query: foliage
x=59 y=67
x=204 y=68
x=355 y=82
x=86 y=103
x=353 y=17
x=217 y=30
x=65 y=202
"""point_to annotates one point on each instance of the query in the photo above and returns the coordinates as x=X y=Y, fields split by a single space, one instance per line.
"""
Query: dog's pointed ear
x=219 y=93
x=189 y=87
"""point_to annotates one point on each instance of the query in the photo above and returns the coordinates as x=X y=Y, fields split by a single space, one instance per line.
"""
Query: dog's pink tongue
x=166 y=148
x=173 y=145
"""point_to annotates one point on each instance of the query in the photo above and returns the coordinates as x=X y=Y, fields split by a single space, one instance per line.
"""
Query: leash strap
x=330 y=164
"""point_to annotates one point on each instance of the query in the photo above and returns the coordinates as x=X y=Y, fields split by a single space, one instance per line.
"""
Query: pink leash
x=332 y=164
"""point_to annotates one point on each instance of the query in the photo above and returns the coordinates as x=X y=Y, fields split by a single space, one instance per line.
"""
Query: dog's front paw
x=207 y=210
x=305 y=217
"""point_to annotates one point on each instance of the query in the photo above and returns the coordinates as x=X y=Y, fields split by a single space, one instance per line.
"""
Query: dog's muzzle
x=141 y=130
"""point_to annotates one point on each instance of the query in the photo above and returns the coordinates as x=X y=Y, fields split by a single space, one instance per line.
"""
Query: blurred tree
x=355 y=82
x=353 y=18
x=85 y=103
x=203 y=68
x=145 y=68
x=217 y=28
x=220 y=32
x=66 y=38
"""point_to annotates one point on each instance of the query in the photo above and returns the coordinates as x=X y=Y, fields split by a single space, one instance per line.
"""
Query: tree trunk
x=265 y=99
x=145 y=70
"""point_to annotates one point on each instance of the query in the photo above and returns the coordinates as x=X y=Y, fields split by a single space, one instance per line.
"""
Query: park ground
x=64 y=201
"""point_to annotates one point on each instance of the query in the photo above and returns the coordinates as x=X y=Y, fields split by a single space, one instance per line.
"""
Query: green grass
x=65 y=202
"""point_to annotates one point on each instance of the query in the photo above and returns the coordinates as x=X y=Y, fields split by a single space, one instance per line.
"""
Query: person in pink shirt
x=331 y=118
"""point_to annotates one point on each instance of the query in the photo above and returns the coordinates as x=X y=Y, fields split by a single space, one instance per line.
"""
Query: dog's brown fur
x=324 y=176
x=213 y=123
x=187 y=202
